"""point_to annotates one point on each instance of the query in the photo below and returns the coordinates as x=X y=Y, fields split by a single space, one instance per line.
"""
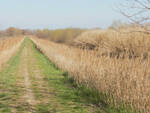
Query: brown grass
x=116 y=44
x=8 y=47
x=126 y=78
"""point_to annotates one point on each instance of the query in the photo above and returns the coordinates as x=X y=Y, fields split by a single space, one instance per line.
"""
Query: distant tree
x=59 y=35
x=13 y=31
x=27 y=32
x=43 y=33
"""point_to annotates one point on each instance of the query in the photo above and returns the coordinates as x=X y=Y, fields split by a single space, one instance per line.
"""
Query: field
x=75 y=56
x=100 y=71
x=117 y=65
x=31 y=83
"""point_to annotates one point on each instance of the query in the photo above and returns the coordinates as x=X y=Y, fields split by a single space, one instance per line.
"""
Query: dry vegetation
x=117 y=64
x=8 y=47
x=14 y=32
x=119 y=44
x=65 y=36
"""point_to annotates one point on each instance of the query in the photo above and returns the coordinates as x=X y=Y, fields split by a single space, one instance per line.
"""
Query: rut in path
x=29 y=93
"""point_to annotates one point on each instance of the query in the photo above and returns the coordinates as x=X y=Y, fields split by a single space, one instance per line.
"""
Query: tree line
x=59 y=35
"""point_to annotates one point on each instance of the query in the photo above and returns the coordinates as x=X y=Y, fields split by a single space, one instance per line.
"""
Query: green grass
x=55 y=91
x=97 y=98
x=64 y=94
x=67 y=90
x=8 y=89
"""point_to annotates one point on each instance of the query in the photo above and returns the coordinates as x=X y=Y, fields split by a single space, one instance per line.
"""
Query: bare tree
x=138 y=12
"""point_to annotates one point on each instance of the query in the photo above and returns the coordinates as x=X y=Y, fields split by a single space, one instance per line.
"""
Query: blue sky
x=54 y=14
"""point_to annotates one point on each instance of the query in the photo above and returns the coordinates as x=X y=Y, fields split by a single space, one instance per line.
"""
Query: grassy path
x=30 y=83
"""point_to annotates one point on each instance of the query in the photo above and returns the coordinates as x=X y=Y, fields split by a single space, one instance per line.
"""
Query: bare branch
x=138 y=13
x=142 y=4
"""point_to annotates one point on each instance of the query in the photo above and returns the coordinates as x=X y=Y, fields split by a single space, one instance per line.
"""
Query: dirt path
x=39 y=87
x=29 y=95
x=25 y=103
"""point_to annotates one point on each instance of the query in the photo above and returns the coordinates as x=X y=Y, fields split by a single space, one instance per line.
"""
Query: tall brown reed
x=126 y=79
x=8 y=47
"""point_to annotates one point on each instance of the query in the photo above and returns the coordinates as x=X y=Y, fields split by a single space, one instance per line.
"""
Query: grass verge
x=68 y=90
x=8 y=87
x=63 y=97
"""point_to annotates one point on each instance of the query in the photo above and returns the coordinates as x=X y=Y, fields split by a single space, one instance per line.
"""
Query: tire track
x=29 y=92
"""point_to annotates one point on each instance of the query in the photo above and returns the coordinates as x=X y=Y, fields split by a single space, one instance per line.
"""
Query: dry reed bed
x=8 y=47
x=126 y=79
x=116 y=44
